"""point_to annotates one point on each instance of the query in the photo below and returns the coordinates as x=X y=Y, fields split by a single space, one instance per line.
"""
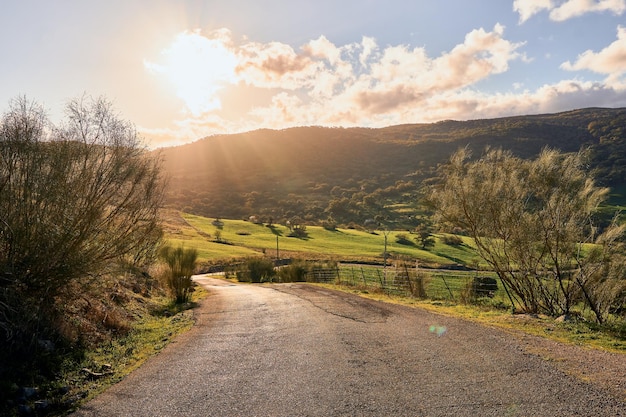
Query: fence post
x=446 y=284
x=380 y=278
x=408 y=279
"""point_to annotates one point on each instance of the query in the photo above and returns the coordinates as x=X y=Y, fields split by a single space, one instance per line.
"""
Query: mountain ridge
x=351 y=174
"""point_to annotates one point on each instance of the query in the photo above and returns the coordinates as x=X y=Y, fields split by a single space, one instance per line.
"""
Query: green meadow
x=238 y=238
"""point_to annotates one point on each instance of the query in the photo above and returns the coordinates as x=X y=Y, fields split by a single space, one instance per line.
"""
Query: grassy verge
x=83 y=372
x=242 y=238
x=108 y=364
x=579 y=333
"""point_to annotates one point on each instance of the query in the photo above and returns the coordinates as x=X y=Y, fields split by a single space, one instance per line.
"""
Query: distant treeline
x=350 y=175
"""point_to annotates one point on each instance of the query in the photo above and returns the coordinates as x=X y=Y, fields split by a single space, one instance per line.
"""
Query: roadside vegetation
x=534 y=222
x=80 y=299
x=181 y=265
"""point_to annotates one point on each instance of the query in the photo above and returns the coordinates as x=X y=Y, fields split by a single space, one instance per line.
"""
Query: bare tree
x=533 y=222
x=75 y=200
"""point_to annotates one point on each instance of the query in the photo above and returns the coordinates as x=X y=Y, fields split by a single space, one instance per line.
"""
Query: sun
x=198 y=67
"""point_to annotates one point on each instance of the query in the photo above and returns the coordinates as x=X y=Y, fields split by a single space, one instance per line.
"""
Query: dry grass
x=576 y=333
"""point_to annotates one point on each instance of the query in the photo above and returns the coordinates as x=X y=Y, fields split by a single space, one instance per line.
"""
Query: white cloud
x=324 y=49
x=575 y=8
x=363 y=84
x=564 y=10
x=565 y=95
x=368 y=46
x=405 y=77
x=610 y=60
x=528 y=8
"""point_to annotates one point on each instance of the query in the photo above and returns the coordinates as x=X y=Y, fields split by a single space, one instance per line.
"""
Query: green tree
x=425 y=234
x=297 y=227
x=181 y=263
x=533 y=221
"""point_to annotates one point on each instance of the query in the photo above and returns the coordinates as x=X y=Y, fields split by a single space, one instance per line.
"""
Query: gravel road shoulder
x=604 y=369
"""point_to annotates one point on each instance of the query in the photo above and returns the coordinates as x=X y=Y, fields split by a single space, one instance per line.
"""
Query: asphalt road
x=301 y=350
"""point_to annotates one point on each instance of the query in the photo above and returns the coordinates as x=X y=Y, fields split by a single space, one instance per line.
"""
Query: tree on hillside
x=75 y=200
x=533 y=222
x=425 y=234
x=297 y=228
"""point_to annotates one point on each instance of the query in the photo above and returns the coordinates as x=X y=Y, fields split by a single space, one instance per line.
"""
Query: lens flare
x=438 y=330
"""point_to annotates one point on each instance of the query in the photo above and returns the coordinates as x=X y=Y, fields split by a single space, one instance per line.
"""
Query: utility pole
x=386 y=234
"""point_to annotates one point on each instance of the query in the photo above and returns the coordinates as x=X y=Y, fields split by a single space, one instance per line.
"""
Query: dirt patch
x=602 y=368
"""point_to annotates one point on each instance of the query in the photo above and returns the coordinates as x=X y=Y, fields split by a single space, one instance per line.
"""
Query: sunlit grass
x=577 y=333
x=246 y=238
x=119 y=357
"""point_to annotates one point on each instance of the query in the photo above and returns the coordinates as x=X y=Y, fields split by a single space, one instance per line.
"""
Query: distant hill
x=352 y=174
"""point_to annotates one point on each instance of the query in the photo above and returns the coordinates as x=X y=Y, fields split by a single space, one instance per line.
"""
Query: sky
x=181 y=70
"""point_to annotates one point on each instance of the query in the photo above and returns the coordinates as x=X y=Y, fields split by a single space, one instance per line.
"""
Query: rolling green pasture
x=185 y=235
x=242 y=238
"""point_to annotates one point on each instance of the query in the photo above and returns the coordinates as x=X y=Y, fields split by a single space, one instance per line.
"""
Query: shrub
x=79 y=202
x=509 y=206
x=411 y=278
x=479 y=287
x=298 y=231
x=76 y=200
x=329 y=224
x=419 y=282
x=295 y=272
x=452 y=240
x=181 y=263
x=320 y=271
x=256 y=270
x=403 y=239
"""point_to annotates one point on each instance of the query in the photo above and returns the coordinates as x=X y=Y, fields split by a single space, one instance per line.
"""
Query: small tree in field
x=425 y=235
x=181 y=263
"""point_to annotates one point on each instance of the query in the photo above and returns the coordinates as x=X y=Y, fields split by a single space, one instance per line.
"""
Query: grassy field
x=241 y=238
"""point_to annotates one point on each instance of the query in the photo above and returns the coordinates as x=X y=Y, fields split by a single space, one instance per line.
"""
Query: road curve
x=302 y=350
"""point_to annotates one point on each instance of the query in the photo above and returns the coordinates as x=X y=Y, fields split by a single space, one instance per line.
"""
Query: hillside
x=353 y=174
